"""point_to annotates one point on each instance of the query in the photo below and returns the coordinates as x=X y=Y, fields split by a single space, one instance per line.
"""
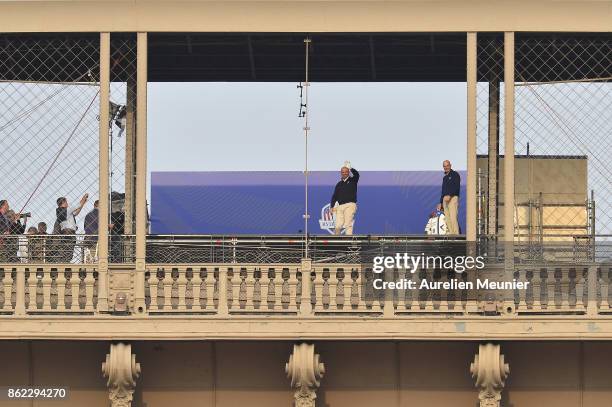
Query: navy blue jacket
x=451 y=184
x=346 y=191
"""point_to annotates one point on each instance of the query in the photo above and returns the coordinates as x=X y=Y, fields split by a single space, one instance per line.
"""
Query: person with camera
x=66 y=225
x=5 y=227
x=16 y=228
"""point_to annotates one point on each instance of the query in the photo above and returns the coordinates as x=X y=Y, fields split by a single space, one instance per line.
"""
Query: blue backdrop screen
x=262 y=202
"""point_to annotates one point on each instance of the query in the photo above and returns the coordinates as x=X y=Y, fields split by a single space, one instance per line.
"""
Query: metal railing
x=329 y=290
x=64 y=249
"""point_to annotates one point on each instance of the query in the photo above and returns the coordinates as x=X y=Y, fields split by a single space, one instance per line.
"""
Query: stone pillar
x=121 y=370
x=472 y=83
x=490 y=372
x=305 y=302
x=141 y=172
x=305 y=371
x=104 y=161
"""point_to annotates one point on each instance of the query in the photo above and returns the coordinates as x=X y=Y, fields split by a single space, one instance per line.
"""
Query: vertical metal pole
x=493 y=155
x=471 y=137
x=141 y=171
x=509 y=137
x=103 y=204
x=306 y=130
x=130 y=146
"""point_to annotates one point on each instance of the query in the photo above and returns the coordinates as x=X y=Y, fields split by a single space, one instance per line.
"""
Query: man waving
x=345 y=195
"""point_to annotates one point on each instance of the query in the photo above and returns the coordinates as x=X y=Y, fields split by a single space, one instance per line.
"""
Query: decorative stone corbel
x=490 y=373
x=305 y=371
x=122 y=371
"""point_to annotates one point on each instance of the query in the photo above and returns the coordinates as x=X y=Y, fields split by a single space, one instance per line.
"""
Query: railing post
x=223 y=310
x=592 y=278
x=103 y=204
x=470 y=226
x=305 y=304
x=20 y=294
x=141 y=172
x=388 y=306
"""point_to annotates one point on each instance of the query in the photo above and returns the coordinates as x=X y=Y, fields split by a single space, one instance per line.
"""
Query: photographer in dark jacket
x=15 y=229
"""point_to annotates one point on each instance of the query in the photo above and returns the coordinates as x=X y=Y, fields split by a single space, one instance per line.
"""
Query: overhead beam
x=305 y=16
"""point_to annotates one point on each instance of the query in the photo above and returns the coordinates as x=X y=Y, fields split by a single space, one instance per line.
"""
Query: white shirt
x=436 y=225
x=70 y=222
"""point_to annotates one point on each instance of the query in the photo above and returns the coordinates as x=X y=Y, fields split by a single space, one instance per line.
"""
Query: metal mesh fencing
x=563 y=129
x=489 y=132
x=122 y=144
x=49 y=106
x=563 y=134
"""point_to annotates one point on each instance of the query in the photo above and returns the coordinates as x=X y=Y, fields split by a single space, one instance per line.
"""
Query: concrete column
x=592 y=277
x=493 y=155
x=305 y=304
x=103 y=205
x=20 y=290
x=509 y=164
x=509 y=137
x=141 y=171
x=470 y=229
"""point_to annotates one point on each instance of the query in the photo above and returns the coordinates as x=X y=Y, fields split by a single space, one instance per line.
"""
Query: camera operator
x=16 y=228
x=66 y=222
x=5 y=226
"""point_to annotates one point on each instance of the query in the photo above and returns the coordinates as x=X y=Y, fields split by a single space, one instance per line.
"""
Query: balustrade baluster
x=571 y=287
x=182 y=288
x=355 y=289
x=7 y=284
x=242 y=288
x=271 y=290
x=537 y=289
x=196 y=290
x=61 y=281
x=257 y=293
x=325 y=295
x=174 y=288
x=89 y=289
x=558 y=275
x=608 y=283
x=339 y=289
x=285 y=290
x=544 y=288
x=222 y=279
x=46 y=286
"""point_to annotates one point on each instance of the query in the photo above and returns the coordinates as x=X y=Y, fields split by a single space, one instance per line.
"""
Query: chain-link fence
x=49 y=123
x=122 y=144
x=563 y=129
x=49 y=103
x=490 y=132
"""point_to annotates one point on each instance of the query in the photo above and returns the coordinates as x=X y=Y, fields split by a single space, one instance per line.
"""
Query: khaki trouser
x=345 y=216
x=450 y=213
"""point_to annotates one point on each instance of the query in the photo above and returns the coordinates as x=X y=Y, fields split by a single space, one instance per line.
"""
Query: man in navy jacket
x=345 y=194
x=449 y=199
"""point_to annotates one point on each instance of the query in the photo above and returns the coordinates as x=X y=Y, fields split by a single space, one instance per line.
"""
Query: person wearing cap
x=345 y=196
